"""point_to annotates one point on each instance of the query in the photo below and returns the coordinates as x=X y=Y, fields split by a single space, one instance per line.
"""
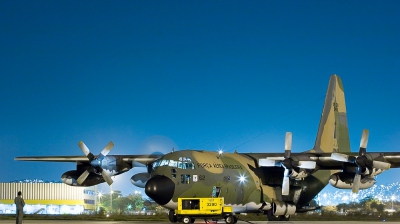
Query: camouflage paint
x=333 y=133
x=263 y=185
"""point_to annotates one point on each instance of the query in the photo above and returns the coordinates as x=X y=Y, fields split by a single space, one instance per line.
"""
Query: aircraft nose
x=160 y=189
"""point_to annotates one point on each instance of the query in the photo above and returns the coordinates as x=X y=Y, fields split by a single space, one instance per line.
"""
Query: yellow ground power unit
x=205 y=208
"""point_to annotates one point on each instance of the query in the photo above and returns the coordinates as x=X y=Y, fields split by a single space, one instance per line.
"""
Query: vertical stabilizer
x=333 y=135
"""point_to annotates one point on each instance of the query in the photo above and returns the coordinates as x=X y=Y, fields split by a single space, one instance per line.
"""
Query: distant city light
x=383 y=193
x=35 y=181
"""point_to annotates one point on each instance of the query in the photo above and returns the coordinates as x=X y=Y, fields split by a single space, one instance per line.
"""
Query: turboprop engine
x=345 y=181
x=295 y=168
x=367 y=167
x=70 y=178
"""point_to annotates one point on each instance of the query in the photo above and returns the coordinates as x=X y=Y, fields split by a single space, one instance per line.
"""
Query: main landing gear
x=272 y=217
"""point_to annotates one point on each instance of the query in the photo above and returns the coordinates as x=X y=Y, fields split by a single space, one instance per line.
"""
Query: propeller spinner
x=95 y=162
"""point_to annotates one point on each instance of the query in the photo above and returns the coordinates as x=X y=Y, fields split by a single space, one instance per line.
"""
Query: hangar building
x=48 y=198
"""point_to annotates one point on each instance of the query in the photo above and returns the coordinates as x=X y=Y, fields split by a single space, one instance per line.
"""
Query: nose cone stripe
x=160 y=189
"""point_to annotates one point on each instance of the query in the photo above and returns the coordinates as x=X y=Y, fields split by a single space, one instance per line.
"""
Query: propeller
x=288 y=163
x=95 y=162
x=363 y=160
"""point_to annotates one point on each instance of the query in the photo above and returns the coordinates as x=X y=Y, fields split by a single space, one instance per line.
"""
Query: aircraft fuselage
x=236 y=177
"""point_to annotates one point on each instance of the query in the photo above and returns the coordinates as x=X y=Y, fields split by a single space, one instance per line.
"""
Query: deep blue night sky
x=153 y=75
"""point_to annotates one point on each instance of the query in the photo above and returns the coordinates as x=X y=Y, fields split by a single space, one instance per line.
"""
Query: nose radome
x=160 y=189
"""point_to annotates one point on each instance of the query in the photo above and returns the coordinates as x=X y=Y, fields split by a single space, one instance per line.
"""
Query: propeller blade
x=106 y=177
x=340 y=157
x=307 y=164
x=288 y=144
x=363 y=143
x=86 y=150
x=381 y=165
x=356 y=183
x=285 y=183
x=107 y=149
x=82 y=177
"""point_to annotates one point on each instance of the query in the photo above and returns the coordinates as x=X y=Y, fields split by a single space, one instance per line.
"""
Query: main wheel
x=272 y=217
x=186 y=219
x=284 y=217
x=171 y=216
x=229 y=219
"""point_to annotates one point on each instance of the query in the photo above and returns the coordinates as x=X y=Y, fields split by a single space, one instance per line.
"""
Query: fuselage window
x=185 y=178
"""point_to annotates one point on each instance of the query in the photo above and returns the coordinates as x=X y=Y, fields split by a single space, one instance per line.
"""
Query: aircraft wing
x=142 y=159
x=329 y=160
x=53 y=158
x=325 y=161
x=393 y=158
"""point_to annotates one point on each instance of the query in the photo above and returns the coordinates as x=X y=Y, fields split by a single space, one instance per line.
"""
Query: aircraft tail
x=333 y=135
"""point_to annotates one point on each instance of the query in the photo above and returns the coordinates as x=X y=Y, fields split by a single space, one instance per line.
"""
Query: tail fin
x=333 y=135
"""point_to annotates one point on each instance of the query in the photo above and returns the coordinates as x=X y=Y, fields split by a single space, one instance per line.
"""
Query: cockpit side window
x=182 y=163
x=185 y=178
x=173 y=163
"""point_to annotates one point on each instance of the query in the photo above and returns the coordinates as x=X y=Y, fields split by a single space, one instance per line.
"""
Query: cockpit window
x=182 y=163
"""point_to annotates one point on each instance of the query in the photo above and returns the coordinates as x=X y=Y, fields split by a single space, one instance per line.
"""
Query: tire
x=284 y=217
x=186 y=219
x=229 y=219
x=235 y=219
x=172 y=217
x=272 y=217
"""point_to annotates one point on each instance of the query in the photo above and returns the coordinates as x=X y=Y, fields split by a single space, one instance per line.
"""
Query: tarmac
x=166 y=222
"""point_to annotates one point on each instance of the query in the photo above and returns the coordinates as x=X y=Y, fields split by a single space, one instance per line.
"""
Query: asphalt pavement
x=166 y=222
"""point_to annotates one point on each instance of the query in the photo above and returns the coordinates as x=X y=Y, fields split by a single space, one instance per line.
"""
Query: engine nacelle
x=71 y=176
x=303 y=173
x=283 y=208
x=140 y=179
x=345 y=181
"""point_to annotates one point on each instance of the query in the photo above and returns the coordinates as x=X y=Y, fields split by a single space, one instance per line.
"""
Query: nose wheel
x=172 y=217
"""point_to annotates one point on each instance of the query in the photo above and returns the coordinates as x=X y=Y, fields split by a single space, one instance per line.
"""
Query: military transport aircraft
x=276 y=184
